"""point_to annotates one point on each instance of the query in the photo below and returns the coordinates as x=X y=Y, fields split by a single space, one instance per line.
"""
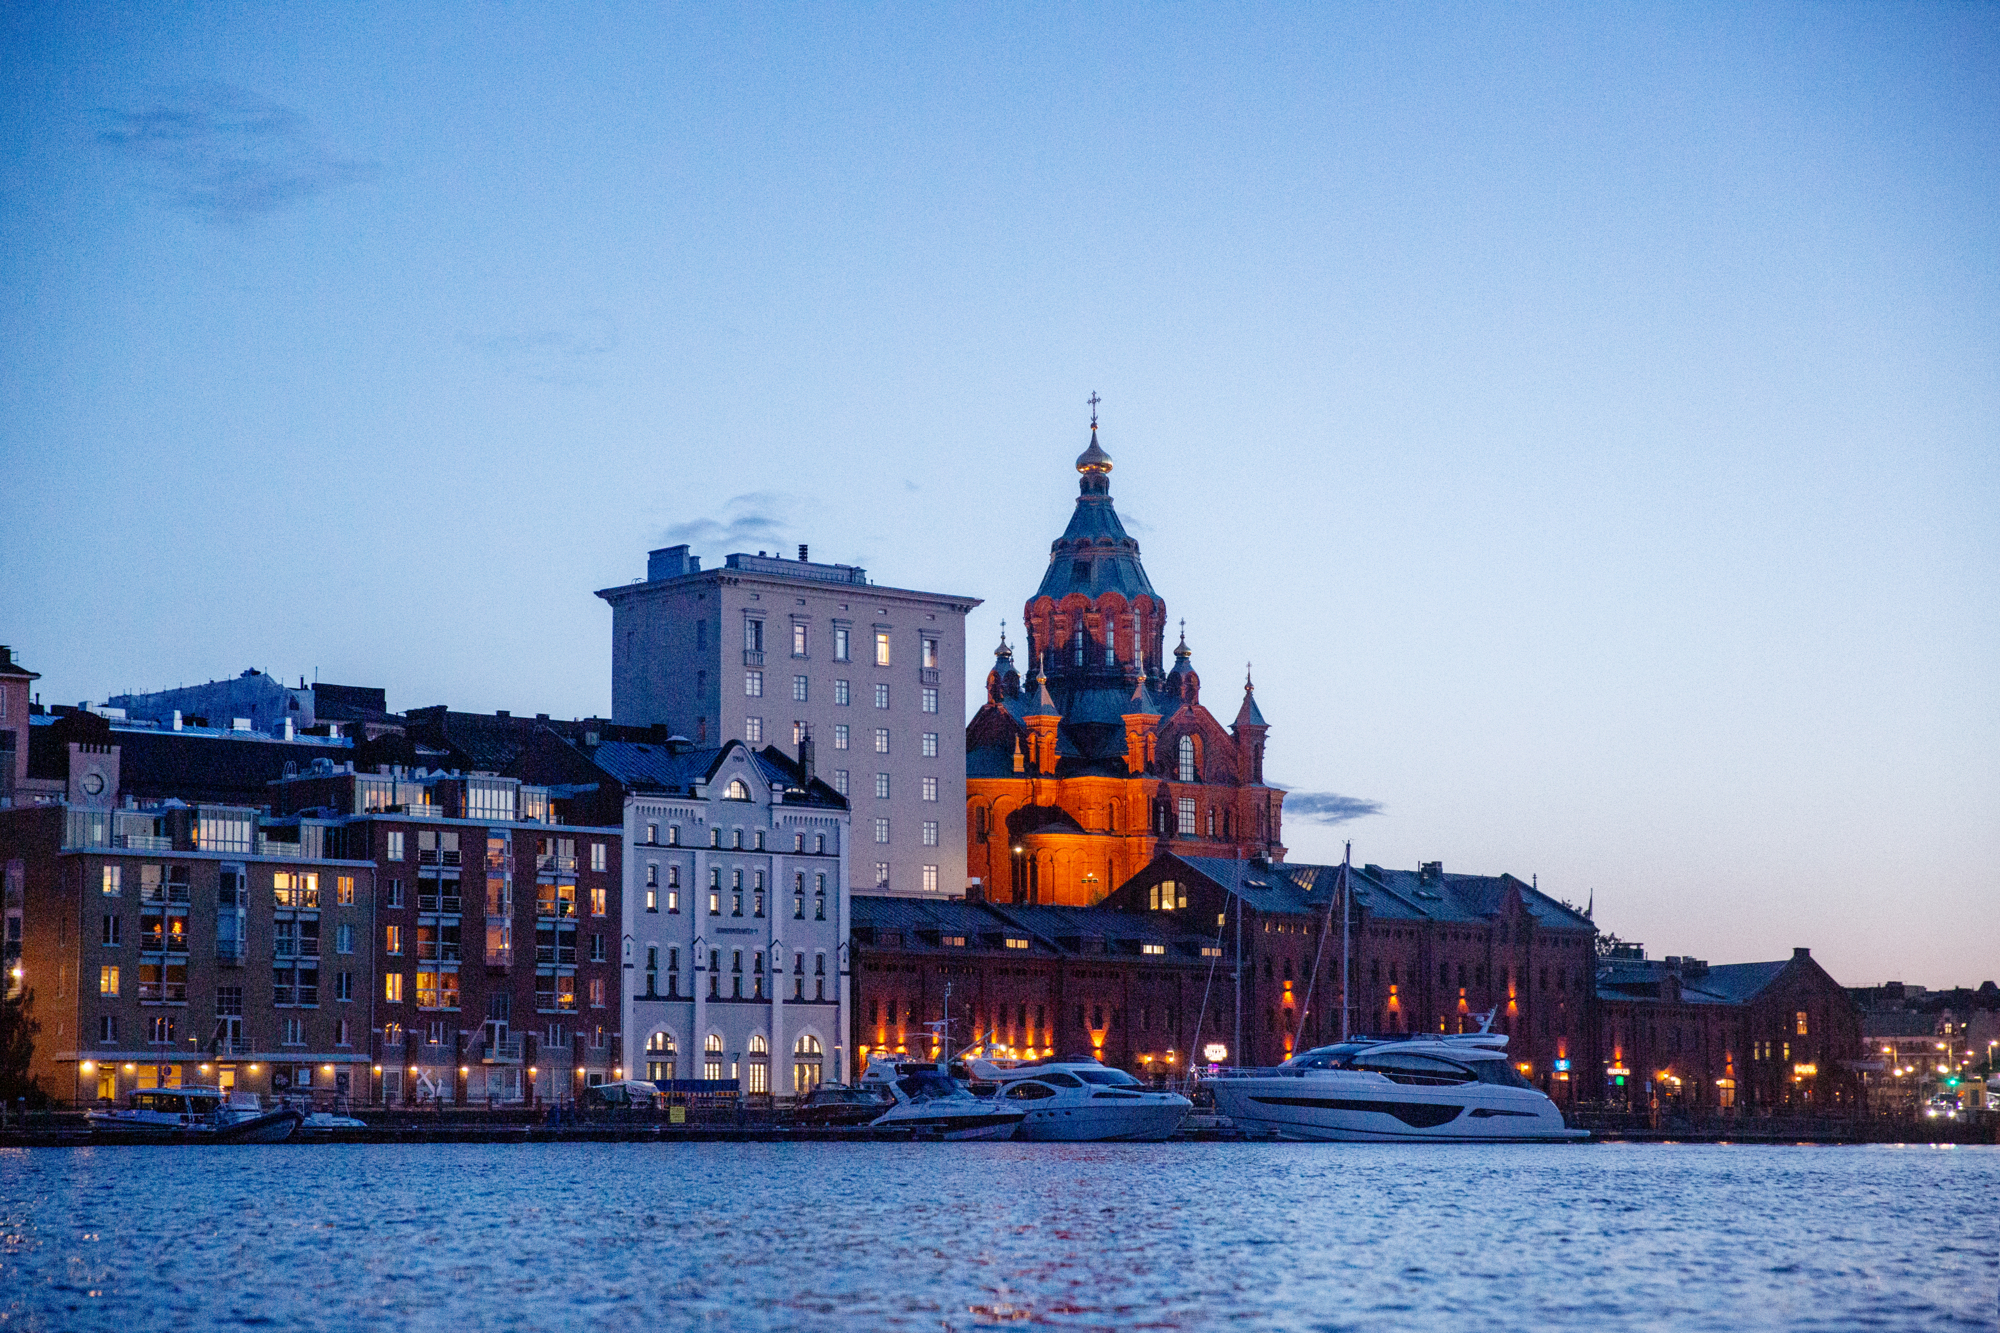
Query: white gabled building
x=736 y=915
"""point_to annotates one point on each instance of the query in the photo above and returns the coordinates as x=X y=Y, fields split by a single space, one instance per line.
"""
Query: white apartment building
x=736 y=917
x=770 y=651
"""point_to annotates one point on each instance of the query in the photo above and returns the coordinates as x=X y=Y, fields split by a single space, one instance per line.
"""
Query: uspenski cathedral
x=1091 y=755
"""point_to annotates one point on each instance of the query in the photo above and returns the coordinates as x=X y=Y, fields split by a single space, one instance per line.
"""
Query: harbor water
x=961 y=1236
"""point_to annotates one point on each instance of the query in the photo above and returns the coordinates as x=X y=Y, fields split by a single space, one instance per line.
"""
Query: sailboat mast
x=1346 y=896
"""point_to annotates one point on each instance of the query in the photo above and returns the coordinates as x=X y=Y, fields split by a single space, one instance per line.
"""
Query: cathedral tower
x=1091 y=755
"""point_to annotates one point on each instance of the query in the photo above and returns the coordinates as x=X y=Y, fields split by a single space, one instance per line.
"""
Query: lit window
x=881 y=740
x=930 y=699
x=107 y=981
x=881 y=874
x=395 y=844
x=930 y=745
x=113 y=877
x=1153 y=948
x=1017 y=942
x=599 y=858
x=798 y=640
x=881 y=648
x=930 y=879
x=1802 y=1022
x=930 y=653
x=392 y=987
x=930 y=789
x=598 y=902
x=881 y=830
x=753 y=684
x=392 y=939
x=930 y=833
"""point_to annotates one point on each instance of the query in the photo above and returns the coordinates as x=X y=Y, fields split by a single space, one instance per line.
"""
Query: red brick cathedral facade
x=1077 y=776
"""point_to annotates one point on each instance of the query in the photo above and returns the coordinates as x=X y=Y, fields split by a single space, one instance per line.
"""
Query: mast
x=1346 y=912
x=1237 y=1051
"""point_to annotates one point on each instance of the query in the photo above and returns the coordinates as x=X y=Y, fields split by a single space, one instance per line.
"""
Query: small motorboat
x=929 y=1104
x=1405 y=1088
x=832 y=1105
x=327 y=1122
x=196 y=1115
x=1082 y=1101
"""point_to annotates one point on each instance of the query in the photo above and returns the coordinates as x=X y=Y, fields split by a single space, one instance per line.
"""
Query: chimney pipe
x=806 y=757
x=802 y=553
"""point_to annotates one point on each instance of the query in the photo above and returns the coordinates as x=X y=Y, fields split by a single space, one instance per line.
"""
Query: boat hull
x=956 y=1127
x=270 y=1127
x=1150 y=1123
x=1311 y=1109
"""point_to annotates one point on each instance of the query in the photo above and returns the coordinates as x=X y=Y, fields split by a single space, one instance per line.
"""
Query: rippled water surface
x=905 y=1236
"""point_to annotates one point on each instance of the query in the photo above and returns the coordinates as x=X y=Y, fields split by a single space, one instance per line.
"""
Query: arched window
x=760 y=1064
x=1186 y=759
x=807 y=1062
x=711 y=1057
x=759 y=1046
x=737 y=790
x=659 y=1057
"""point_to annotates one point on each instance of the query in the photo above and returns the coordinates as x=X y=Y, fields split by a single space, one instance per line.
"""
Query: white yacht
x=1413 y=1088
x=929 y=1103
x=203 y=1114
x=1081 y=1101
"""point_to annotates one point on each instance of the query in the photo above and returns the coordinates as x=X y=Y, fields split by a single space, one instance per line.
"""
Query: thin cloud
x=753 y=520
x=548 y=356
x=1325 y=807
x=227 y=155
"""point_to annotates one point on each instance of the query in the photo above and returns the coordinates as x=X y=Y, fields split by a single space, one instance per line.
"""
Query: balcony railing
x=561 y=865
x=438 y=902
x=266 y=847
x=163 y=893
x=927 y=675
x=502 y=1051
x=141 y=842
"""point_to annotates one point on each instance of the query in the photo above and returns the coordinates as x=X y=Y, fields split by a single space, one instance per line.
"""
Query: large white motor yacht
x=1415 y=1088
x=206 y=1114
x=929 y=1103
x=1082 y=1101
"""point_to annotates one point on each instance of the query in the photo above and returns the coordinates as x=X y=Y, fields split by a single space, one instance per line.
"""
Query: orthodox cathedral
x=1100 y=757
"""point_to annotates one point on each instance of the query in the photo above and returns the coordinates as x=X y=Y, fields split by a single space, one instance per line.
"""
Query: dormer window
x=737 y=790
x=1185 y=753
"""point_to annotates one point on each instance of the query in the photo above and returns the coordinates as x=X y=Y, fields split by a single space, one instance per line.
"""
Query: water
x=960 y=1236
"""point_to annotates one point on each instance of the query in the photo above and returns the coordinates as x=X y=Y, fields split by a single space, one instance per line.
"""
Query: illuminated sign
x=1215 y=1052
x=1562 y=1066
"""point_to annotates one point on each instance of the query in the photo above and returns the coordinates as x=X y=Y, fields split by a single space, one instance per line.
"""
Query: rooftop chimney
x=802 y=553
x=805 y=744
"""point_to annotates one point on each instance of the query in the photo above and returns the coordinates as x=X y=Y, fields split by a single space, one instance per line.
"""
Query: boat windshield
x=1116 y=1078
x=1328 y=1057
x=1500 y=1072
x=918 y=1087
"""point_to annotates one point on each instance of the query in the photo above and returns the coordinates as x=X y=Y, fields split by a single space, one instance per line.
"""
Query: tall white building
x=769 y=651
x=736 y=916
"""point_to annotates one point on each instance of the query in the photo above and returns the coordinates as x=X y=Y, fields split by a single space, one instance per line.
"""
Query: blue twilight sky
x=1585 y=418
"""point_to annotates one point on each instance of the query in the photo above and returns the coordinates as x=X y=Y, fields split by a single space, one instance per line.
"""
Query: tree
x=17 y=1048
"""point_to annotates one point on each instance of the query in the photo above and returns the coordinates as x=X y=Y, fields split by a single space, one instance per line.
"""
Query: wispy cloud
x=548 y=356
x=228 y=155
x=754 y=519
x=1325 y=807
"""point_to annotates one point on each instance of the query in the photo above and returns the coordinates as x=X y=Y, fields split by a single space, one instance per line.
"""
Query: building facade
x=1680 y=1034
x=1426 y=952
x=1126 y=988
x=736 y=915
x=1100 y=757
x=496 y=931
x=771 y=651
x=191 y=944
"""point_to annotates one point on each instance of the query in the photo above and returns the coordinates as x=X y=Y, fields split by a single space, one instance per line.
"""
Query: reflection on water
x=906 y=1236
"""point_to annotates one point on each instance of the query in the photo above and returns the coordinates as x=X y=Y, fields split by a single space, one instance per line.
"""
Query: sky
x=1584 y=418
